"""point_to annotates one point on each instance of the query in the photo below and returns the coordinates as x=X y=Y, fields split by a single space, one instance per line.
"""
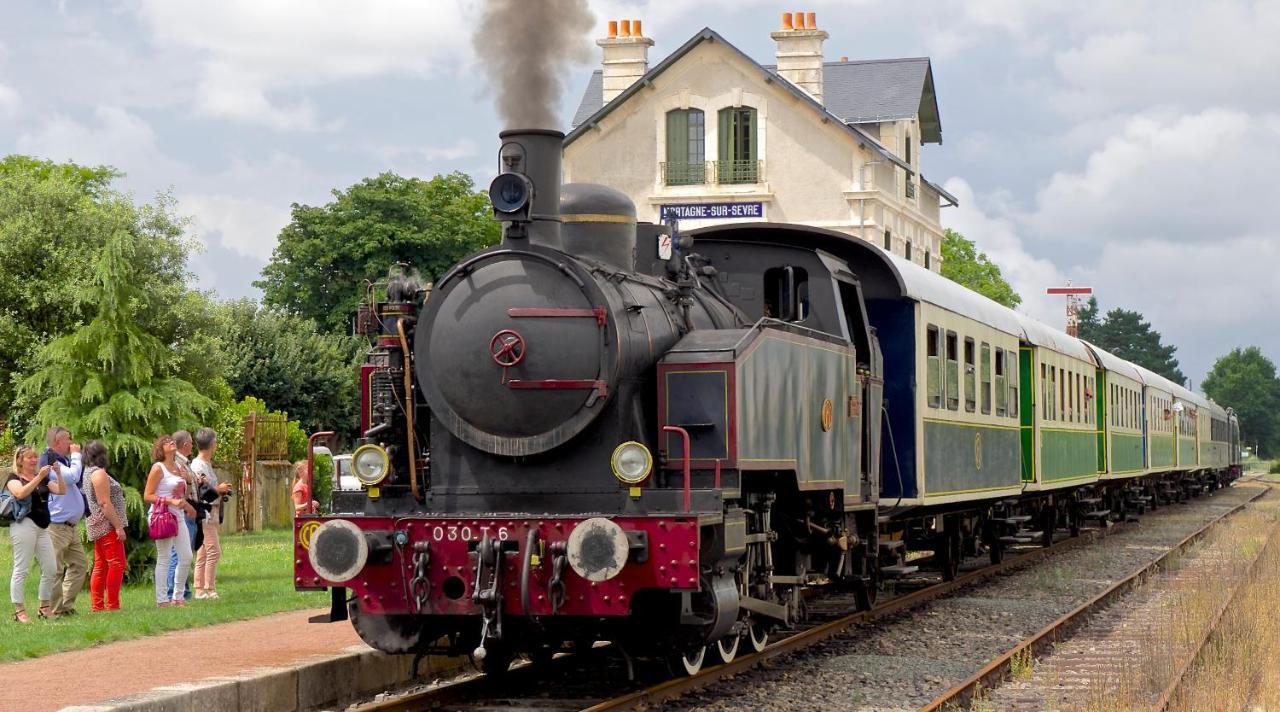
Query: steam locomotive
x=604 y=429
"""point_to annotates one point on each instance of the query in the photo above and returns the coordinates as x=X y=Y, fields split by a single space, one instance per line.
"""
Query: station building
x=710 y=136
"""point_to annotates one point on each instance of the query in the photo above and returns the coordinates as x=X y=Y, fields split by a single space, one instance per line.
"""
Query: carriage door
x=1027 y=409
x=1100 y=400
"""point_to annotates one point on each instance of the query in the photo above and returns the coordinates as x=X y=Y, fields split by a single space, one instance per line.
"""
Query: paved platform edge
x=312 y=683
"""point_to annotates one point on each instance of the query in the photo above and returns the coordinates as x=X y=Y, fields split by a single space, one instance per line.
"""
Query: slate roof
x=857 y=92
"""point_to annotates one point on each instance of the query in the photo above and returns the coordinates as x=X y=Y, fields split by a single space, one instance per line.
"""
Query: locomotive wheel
x=497 y=659
x=542 y=654
x=947 y=552
x=394 y=635
x=687 y=664
x=757 y=635
x=726 y=648
x=865 y=594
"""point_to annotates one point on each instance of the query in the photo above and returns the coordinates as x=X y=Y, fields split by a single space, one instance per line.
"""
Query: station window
x=1002 y=386
x=970 y=377
x=786 y=293
x=933 y=359
x=928 y=259
x=1011 y=365
x=953 y=371
x=888 y=241
x=738 y=151
x=686 y=147
x=907 y=253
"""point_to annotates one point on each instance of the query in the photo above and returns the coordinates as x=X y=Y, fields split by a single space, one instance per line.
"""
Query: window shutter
x=749 y=135
x=677 y=136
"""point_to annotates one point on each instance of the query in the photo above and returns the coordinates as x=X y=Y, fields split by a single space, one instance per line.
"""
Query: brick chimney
x=800 y=51
x=626 y=56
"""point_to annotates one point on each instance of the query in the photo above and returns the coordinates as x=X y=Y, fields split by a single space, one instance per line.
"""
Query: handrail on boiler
x=684 y=437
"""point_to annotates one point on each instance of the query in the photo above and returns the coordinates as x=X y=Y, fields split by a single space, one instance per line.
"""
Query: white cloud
x=245 y=225
x=10 y=100
x=1190 y=54
x=256 y=51
x=986 y=221
x=1190 y=178
x=116 y=137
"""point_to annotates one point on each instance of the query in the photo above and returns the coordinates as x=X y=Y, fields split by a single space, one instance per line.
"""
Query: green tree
x=1127 y=335
x=282 y=359
x=1246 y=381
x=963 y=263
x=112 y=380
x=325 y=254
x=54 y=219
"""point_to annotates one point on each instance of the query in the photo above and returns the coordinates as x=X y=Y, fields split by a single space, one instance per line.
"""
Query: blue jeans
x=173 y=559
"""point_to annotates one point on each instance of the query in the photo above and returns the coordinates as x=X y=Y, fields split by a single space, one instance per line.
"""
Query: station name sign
x=712 y=211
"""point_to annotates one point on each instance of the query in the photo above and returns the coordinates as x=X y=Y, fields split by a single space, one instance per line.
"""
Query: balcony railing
x=714 y=172
x=739 y=171
x=683 y=172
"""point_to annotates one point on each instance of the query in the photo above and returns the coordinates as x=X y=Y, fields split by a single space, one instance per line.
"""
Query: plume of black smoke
x=525 y=47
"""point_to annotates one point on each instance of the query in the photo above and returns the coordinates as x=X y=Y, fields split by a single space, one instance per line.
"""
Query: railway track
x=995 y=673
x=592 y=681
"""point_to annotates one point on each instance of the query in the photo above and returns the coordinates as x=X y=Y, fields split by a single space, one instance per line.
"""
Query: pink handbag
x=161 y=524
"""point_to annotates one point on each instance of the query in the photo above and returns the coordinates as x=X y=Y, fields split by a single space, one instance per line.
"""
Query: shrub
x=1275 y=467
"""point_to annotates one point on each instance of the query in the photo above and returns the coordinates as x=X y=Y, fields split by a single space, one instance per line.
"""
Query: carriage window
x=1062 y=396
x=786 y=292
x=1011 y=365
x=970 y=377
x=934 y=367
x=1044 y=392
x=984 y=367
x=953 y=371
x=1070 y=401
x=1002 y=388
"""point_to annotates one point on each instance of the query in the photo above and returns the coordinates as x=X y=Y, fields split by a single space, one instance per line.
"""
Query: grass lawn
x=255 y=578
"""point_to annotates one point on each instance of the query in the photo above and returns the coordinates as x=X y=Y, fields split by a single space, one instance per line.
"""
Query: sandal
x=45 y=612
x=21 y=616
x=178 y=603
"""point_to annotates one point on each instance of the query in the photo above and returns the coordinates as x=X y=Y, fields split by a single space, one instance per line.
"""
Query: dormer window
x=686 y=147
x=738 y=161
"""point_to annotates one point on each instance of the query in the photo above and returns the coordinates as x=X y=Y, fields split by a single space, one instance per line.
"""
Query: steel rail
x=998 y=670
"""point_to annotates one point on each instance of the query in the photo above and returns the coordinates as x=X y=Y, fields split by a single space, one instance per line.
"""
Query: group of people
x=67 y=483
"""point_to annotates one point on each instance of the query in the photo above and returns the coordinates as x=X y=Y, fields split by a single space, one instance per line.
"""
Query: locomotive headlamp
x=631 y=462
x=510 y=194
x=371 y=464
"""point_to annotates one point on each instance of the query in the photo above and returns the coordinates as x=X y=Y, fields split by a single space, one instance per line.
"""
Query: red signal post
x=1073 y=295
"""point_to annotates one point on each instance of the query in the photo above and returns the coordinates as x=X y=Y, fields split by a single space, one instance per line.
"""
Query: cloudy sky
x=1126 y=146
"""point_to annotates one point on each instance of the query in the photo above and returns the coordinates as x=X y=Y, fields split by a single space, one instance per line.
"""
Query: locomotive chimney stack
x=526 y=193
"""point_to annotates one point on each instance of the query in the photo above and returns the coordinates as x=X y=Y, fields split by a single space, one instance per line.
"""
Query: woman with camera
x=30 y=485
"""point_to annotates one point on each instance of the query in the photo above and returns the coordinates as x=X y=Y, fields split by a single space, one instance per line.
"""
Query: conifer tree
x=112 y=380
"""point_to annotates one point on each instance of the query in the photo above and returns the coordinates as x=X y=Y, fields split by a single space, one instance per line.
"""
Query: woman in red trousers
x=105 y=527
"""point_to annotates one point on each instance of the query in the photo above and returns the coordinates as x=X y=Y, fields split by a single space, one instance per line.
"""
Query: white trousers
x=164 y=549
x=30 y=542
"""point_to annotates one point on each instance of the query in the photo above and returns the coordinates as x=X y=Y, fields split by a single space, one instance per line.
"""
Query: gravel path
x=904 y=662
